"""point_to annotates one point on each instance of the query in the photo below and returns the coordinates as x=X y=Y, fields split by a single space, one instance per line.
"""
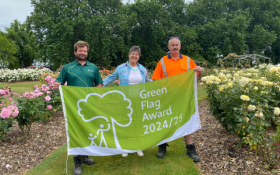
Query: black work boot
x=161 y=151
x=87 y=160
x=192 y=153
x=78 y=165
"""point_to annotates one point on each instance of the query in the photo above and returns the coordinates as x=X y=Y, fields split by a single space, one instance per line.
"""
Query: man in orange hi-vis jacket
x=172 y=64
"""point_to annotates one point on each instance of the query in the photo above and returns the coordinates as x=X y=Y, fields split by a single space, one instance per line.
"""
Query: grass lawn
x=201 y=93
x=21 y=87
x=175 y=161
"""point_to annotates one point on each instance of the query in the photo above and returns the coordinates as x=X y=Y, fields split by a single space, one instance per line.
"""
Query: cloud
x=14 y=9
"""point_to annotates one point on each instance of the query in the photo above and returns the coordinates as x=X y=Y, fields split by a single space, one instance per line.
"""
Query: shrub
x=8 y=112
x=246 y=103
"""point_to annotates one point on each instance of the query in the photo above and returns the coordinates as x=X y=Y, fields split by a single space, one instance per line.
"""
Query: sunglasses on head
x=175 y=37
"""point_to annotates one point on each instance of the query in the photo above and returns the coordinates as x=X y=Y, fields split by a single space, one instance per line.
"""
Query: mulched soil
x=217 y=149
x=24 y=154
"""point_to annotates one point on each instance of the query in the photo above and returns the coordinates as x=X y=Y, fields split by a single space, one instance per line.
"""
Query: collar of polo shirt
x=77 y=63
x=180 y=56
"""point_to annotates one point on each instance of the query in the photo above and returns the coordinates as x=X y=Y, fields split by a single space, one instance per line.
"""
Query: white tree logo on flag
x=113 y=121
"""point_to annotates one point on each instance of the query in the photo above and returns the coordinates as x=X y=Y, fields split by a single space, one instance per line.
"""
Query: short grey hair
x=135 y=49
x=173 y=38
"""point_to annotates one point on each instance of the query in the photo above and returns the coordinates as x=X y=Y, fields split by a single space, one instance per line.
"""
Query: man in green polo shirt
x=79 y=73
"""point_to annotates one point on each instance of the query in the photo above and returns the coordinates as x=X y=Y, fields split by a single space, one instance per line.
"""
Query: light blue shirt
x=123 y=72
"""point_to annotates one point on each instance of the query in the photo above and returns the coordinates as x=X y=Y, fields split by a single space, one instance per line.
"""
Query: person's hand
x=197 y=69
x=56 y=85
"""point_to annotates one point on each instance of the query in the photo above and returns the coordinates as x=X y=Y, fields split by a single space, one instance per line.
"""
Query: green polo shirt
x=77 y=75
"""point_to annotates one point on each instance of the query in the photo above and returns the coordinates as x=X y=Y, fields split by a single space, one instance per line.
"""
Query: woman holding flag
x=130 y=73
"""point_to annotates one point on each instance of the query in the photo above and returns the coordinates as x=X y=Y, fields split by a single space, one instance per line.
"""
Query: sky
x=19 y=9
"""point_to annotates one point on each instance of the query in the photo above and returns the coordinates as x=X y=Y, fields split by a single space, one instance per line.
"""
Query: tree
x=25 y=43
x=100 y=23
x=154 y=26
x=220 y=26
x=7 y=51
x=231 y=26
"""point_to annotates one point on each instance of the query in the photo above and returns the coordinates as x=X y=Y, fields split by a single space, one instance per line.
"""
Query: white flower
x=273 y=70
x=244 y=80
x=204 y=78
x=217 y=79
x=211 y=78
x=230 y=85
x=251 y=107
x=245 y=98
x=276 y=111
x=248 y=74
x=222 y=76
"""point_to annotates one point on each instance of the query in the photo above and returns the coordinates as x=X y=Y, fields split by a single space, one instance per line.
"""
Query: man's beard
x=81 y=59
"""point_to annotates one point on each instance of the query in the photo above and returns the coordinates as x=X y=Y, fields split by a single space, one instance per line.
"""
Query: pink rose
x=10 y=99
x=36 y=91
x=45 y=88
x=47 y=98
x=26 y=94
x=4 y=92
x=14 y=110
x=5 y=112
x=35 y=87
x=49 y=106
x=48 y=78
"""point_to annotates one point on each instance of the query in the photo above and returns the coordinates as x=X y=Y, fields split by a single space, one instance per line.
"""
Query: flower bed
x=35 y=106
x=30 y=74
x=246 y=102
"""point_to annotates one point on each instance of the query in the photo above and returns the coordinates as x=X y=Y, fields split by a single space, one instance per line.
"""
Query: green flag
x=125 y=119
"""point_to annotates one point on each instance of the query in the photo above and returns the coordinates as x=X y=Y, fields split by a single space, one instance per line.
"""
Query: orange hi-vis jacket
x=167 y=66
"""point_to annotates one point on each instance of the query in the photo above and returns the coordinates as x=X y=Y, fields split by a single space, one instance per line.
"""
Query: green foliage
x=235 y=26
x=110 y=33
x=5 y=126
x=25 y=42
x=5 y=123
x=34 y=109
x=28 y=113
x=246 y=102
x=207 y=28
x=7 y=51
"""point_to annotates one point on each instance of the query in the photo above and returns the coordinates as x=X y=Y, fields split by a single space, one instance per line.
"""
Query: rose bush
x=247 y=102
x=8 y=112
x=38 y=105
